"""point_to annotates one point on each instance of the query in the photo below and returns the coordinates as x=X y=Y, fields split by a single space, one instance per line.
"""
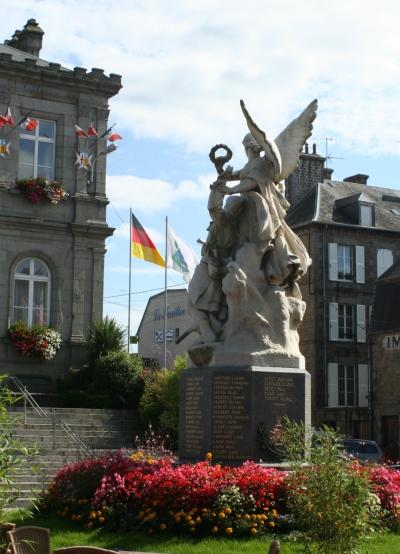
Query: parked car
x=363 y=450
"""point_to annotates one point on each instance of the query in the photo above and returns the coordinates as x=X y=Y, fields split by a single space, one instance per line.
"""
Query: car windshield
x=360 y=448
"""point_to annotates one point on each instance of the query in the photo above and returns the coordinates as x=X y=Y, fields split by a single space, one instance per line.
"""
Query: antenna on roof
x=328 y=155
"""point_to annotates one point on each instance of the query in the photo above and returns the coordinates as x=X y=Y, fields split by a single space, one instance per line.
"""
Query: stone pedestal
x=230 y=411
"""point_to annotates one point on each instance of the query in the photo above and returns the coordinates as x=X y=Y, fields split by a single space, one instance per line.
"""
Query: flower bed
x=38 y=189
x=139 y=493
x=38 y=341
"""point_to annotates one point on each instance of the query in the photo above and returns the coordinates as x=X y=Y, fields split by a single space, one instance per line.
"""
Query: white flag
x=180 y=256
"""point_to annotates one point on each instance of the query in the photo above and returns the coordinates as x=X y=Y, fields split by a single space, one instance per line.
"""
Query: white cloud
x=185 y=65
x=152 y=195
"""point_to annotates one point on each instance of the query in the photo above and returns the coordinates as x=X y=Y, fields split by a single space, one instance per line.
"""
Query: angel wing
x=268 y=145
x=290 y=141
x=285 y=150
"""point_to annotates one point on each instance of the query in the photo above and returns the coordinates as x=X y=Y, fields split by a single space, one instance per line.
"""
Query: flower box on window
x=38 y=341
x=38 y=189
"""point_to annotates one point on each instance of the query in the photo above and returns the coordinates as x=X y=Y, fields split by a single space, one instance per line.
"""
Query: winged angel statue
x=244 y=294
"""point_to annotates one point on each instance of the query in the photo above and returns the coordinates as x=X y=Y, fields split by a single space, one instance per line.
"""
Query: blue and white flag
x=180 y=256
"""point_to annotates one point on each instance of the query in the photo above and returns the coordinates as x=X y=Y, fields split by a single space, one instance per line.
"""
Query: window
x=346 y=263
x=384 y=260
x=347 y=322
x=36 y=151
x=31 y=299
x=347 y=385
x=366 y=215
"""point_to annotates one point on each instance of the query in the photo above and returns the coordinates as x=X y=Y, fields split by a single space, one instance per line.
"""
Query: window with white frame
x=384 y=260
x=36 y=151
x=31 y=292
x=346 y=262
x=347 y=385
x=347 y=322
x=366 y=215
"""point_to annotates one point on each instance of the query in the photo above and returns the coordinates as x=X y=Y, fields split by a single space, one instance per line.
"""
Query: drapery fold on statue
x=142 y=246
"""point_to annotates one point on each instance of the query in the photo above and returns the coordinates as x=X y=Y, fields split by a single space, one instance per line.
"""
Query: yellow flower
x=274 y=513
x=102 y=519
x=90 y=524
x=92 y=515
x=78 y=517
x=228 y=511
x=177 y=519
x=214 y=529
x=221 y=515
x=319 y=515
x=163 y=526
x=209 y=456
x=229 y=530
x=98 y=513
x=253 y=530
x=271 y=523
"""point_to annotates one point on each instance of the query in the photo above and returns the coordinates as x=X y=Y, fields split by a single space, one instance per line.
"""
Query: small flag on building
x=79 y=132
x=142 y=246
x=9 y=118
x=112 y=137
x=28 y=123
x=180 y=256
x=91 y=132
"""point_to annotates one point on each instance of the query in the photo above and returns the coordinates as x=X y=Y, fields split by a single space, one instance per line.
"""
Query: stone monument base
x=231 y=411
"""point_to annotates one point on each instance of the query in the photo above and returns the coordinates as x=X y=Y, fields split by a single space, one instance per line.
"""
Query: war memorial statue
x=246 y=305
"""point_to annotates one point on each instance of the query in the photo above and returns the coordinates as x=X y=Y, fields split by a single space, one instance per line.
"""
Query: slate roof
x=325 y=203
x=386 y=309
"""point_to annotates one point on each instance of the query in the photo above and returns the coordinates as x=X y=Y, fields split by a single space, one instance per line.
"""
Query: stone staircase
x=65 y=435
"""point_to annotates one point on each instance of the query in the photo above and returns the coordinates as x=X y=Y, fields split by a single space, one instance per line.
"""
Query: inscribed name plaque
x=231 y=423
x=231 y=412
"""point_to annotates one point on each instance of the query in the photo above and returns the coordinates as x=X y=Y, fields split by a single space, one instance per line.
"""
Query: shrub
x=105 y=336
x=120 y=376
x=159 y=404
x=13 y=452
x=330 y=496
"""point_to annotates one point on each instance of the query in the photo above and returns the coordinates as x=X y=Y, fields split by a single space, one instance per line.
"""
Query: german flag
x=142 y=246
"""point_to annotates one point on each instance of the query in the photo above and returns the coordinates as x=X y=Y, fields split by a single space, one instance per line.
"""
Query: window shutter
x=332 y=251
x=332 y=385
x=360 y=268
x=361 y=323
x=333 y=321
x=384 y=260
x=363 y=385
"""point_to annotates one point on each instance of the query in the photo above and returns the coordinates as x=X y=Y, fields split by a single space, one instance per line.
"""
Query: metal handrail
x=27 y=396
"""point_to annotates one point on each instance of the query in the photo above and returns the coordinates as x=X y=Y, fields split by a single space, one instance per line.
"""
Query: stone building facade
x=51 y=255
x=352 y=232
x=385 y=348
x=151 y=328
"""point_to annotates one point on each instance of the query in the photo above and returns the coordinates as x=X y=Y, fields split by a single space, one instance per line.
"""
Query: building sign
x=159 y=335
x=391 y=342
x=172 y=313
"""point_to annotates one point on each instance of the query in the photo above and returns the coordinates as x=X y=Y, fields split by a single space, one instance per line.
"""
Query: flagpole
x=165 y=293
x=130 y=267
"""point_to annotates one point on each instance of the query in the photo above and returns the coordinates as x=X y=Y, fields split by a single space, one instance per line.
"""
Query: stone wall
x=70 y=236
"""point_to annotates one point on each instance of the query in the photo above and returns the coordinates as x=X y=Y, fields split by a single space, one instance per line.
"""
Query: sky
x=185 y=65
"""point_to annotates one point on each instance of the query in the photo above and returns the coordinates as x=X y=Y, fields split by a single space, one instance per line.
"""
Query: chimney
x=30 y=38
x=328 y=173
x=309 y=172
x=358 y=178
